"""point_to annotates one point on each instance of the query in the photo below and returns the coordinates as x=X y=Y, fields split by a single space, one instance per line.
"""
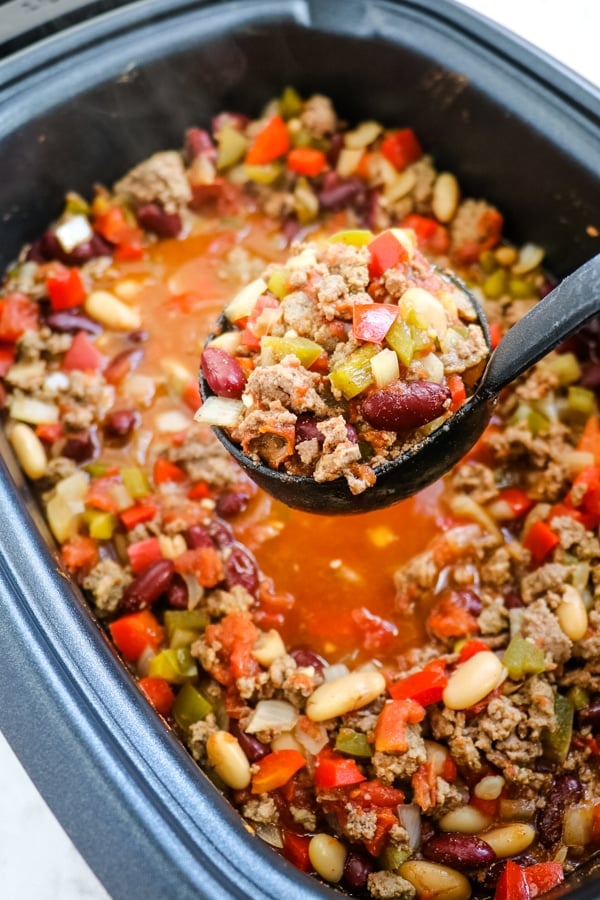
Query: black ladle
x=559 y=315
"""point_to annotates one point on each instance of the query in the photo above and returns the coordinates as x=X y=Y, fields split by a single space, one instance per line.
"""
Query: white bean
x=435 y=882
x=269 y=645
x=327 y=856
x=473 y=680
x=465 y=820
x=228 y=760
x=446 y=197
x=111 y=312
x=345 y=694
x=509 y=840
x=29 y=450
x=571 y=613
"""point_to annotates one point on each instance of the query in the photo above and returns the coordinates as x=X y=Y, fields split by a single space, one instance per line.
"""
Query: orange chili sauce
x=338 y=569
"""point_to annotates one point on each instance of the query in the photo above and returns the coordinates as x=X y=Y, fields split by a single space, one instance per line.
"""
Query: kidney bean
x=138 y=336
x=252 y=747
x=591 y=376
x=403 y=407
x=198 y=142
x=306 y=657
x=80 y=447
x=221 y=533
x=177 y=593
x=335 y=148
x=290 y=228
x=70 y=322
x=231 y=503
x=495 y=870
x=223 y=373
x=469 y=601
x=148 y=586
x=512 y=600
x=196 y=536
x=121 y=422
x=338 y=191
x=590 y=715
x=241 y=568
x=565 y=789
x=459 y=851
x=306 y=430
x=48 y=248
x=121 y=364
x=153 y=218
x=357 y=869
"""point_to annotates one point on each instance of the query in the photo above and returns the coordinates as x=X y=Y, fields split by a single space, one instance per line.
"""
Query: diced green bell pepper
x=400 y=339
x=487 y=261
x=496 y=284
x=190 y=706
x=306 y=350
x=96 y=469
x=581 y=400
x=579 y=697
x=523 y=658
x=565 y=366
x=520 y=289
x=175 y=666
x=354 y=374
x=356 y=237
x=232 y=146
x=392 y=858
x=101 y=525
x=136 y=482
x=266 y=174
x=278 y=283
x=353 y=743
x=290 y=103
x=556 y=743
x=187 y=619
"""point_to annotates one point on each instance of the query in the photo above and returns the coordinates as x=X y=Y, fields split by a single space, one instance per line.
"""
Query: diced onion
x=332 y=673
x=56 y=381
x=270 y=714
x=171 y=421
x=229 y=341
x=73 y=231
x=363 y=135
x=434 y=367
x=410 y=816
x=271 y=835
x=221 y=411
x=425 y=305
x=143 y=664
x=385 y=367
x=35 y=412
x=530 y=257
x=347 y=162
x=62 y=520
x=195 y=590
x=73 y=489
x=578 y=822
x=245 y=300
x=464 y=507
x=138 y=388
x=178 y=375
x=312 y=736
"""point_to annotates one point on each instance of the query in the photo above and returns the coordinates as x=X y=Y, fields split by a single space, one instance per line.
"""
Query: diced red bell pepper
x=269 y=144
x=589 y=442
x=589 y=505
x=401 y=148
x=372 y=321
x=517 y=499
x=375 y=793
x=65 y=288
x=132 y=634
x=100 y=493
x=390 y=731
x=138 y=514
x=458 y=393
x=164 y=471
x=540 y=540
x=142 y=553
x=191 y=395
x=295 y=849
x=375 y=632
x=542 y=876
x=203 y=562
x=471 y=648
x=49 y=432
x=450 y=618
x=334 y=770
x=512 y=884
x=18 y=314
x=199 y=491
x=275 y=769
x=431 y=235
x=79 y=552
x=487 y=807
x=425 y=687
x=83 y=355
x=386 y=252
x=495 y=334
x=158 y=693
x=7 y=358
x=306 y=161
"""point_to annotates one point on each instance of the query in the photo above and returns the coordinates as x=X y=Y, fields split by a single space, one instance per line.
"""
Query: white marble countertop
x=28 y=830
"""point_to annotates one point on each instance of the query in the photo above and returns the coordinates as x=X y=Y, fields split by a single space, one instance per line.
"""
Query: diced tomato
x=401 y=148
x=431 y=235
x=589 y=504
x=7 y=358
x=204 y=562
x=589 y=442
x=133 y=633
x=517 y=499
x=306 y=161
x=142 y=553
x=512 y=884
x=450 y=618
x=471 y=648
x=275 y=769
x=83 y=355
x=458 y=393
x=164 y=471
x=386 y=252
x=199 y=491
x=159 y=693
x=191 y=395
x=18 y=314
x=236 y=634
x=375 y=793
x=540 y=540
x=65 y=288
x=376 y=633
x=542 y=876
x=270 y=143
x=488 y=231
x=113 y=225
x=100 y=493
x=136 y=515
x=495 y=334
x=334 y=770
x=372 y=321
x=425 y=687
x=424 y=785
x=49 y=432
x=390 y=731
x=487 y=807
x=295 y=849
x=79 y=552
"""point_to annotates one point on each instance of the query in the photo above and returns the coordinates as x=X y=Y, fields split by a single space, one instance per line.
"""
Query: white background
x=37 y=860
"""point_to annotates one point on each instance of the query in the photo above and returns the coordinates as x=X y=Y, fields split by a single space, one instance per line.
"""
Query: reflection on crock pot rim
x=388 y=769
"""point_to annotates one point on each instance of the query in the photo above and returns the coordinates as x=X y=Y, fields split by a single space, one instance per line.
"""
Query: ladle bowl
x=554 y=319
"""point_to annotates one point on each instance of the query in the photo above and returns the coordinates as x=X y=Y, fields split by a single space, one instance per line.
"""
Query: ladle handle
x=561 y=313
